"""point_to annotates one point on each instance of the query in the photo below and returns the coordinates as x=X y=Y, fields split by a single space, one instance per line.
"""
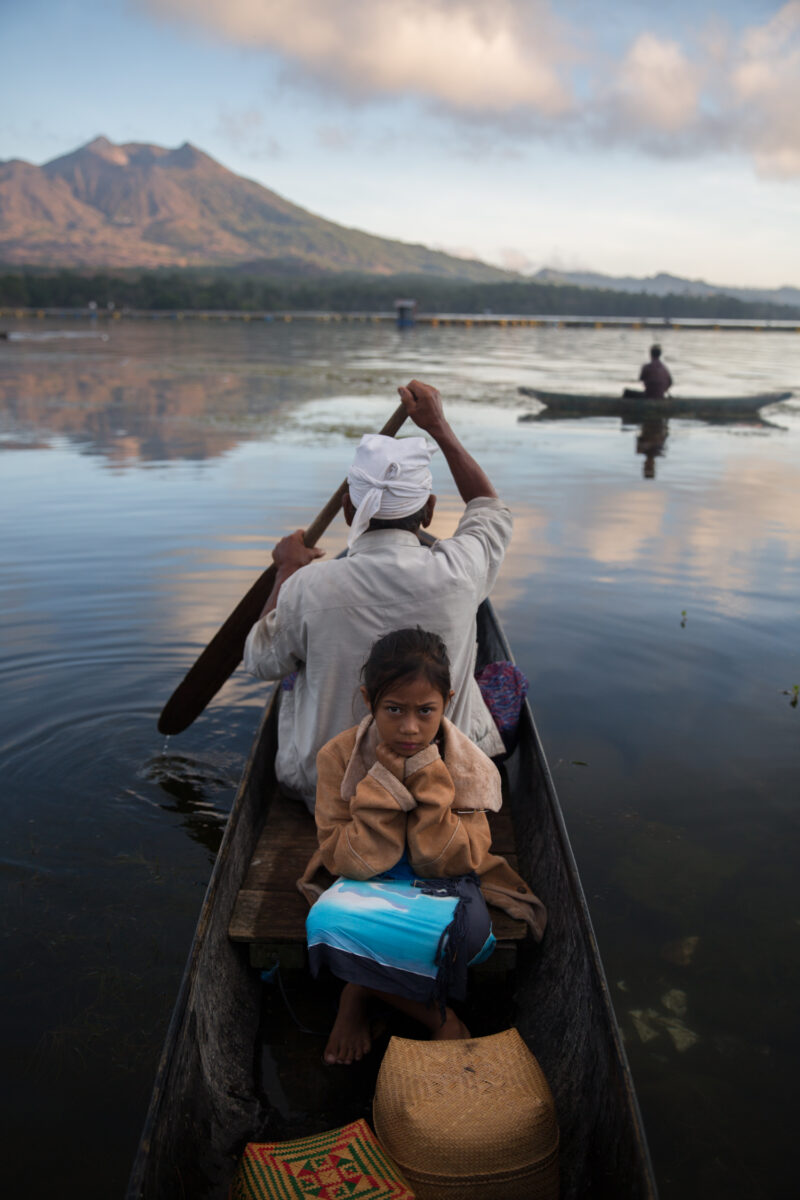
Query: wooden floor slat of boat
x=269 y=910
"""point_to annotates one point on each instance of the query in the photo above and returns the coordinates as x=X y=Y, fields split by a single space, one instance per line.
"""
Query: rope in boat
x=273 y=975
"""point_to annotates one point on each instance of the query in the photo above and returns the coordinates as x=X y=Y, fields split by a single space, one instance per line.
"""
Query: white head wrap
x=390 y=477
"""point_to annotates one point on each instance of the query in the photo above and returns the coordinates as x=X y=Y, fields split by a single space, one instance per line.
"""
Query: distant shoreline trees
x=234 y=291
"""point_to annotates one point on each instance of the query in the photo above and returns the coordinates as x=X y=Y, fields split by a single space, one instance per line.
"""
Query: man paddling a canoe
x=655 y=376
x=322 y=618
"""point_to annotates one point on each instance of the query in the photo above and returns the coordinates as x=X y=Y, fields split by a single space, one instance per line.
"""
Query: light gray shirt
x=329 y=614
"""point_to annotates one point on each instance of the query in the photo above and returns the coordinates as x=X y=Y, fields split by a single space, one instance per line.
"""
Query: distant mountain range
x=106 y=206
x=667 y=285
x=140 y=205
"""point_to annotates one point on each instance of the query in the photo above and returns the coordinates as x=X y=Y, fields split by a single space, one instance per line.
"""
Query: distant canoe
x=636 y=407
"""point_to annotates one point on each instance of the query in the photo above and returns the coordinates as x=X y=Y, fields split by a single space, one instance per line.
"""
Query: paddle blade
x=218 y=661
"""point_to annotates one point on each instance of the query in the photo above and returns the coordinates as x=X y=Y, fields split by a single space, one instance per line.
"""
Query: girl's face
x=408 y=715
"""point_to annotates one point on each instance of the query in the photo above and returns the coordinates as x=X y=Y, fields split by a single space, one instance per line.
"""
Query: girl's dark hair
x=404 y=654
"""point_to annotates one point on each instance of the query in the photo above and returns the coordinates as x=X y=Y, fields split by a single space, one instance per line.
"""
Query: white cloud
x=765 y=79
x=460 y=53
x=656 y=86
x=334 y=137
x=514 y=260
x=518 y=68
x=244 y=129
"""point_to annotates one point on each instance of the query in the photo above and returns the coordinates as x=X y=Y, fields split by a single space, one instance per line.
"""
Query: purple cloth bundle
x=504 y=688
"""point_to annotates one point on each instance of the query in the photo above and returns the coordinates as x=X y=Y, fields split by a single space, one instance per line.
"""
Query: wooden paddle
x=224 y=652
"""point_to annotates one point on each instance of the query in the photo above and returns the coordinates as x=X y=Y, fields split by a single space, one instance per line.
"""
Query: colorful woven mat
x=343 y=1164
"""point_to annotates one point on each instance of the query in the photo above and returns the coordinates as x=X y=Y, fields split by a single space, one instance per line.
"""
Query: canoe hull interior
x=207 y=1101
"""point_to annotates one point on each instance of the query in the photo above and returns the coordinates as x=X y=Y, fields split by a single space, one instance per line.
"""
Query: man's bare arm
x=424 y=405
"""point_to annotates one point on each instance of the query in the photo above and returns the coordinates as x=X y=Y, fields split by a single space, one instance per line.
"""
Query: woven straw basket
x=468 y=1120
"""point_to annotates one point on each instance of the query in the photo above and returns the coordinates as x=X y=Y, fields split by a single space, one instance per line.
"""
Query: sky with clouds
x=627 y=138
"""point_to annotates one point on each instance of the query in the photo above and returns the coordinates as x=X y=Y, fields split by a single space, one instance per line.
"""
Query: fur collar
x=475 y=777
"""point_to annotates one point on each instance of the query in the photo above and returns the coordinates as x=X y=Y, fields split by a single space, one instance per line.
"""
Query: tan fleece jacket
x=371 y=804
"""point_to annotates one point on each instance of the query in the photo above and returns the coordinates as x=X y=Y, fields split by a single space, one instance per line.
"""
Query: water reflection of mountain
x=134 y=413
x=652 y=432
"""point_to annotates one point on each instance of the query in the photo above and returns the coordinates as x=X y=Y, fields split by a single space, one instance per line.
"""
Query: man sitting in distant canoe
x=322 y=620
x=655 y=376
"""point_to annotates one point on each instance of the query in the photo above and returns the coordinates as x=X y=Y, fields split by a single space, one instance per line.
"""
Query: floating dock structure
x=434 y=320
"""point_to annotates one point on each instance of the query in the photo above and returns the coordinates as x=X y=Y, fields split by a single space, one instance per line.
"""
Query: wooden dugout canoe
x=217 y=1084
x=635 y=407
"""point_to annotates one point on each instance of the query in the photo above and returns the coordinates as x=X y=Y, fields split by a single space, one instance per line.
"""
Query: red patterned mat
x=344 y=1164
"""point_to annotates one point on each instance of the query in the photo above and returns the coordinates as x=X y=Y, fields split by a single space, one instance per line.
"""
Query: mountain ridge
x=138 y=205
x=665 y=284
x=141 y=205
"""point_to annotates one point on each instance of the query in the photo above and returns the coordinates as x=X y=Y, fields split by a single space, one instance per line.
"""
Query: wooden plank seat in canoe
x=269 y=914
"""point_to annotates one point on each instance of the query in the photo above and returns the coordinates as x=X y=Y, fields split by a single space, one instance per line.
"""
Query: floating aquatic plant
x=681 y=951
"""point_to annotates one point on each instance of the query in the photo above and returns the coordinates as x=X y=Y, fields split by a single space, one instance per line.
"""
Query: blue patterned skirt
x=401 y=934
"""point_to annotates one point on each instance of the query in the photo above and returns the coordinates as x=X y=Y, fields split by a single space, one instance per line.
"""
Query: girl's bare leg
x=429 y=1016
x=350 y=1038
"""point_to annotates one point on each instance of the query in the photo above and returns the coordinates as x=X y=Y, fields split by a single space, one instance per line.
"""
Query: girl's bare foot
x=452 y=1029
x=427 y=1014
x=350 y=1039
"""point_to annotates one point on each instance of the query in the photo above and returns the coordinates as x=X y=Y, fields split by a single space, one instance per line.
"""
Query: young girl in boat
x=401 y=819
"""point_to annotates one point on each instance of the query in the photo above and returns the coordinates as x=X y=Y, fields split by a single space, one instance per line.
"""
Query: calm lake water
x=650 y=595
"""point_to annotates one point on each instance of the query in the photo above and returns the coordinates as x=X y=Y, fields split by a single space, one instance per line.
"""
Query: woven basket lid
x=467 y=1112
x=340 y=1162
